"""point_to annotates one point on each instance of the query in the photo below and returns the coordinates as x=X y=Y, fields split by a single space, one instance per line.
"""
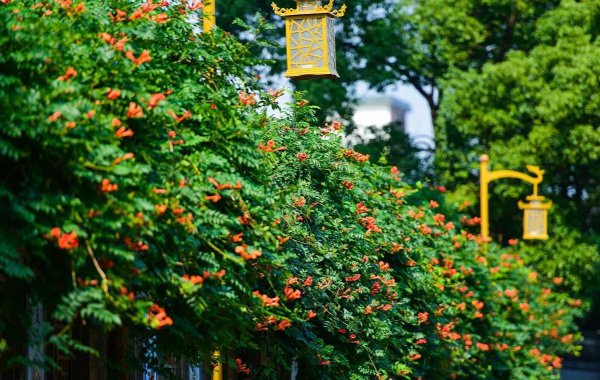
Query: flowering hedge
x=145 y=185
x=396 y=289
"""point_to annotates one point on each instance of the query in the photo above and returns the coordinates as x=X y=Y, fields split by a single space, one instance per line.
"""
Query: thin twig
x=98 y=268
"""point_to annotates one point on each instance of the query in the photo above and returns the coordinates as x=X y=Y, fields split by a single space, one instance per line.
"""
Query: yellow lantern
x=310 y=38
x=535 y=220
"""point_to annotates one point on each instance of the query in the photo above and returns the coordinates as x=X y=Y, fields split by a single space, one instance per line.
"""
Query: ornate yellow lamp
x=535 y=222
x=310 y=38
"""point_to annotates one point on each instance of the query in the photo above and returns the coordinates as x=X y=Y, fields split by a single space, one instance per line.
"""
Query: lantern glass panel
x=536 y=223
x=307 y=43
x=331 y=45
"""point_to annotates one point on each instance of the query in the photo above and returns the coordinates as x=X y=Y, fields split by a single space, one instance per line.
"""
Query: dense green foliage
x=113 y=168
x=144 y=185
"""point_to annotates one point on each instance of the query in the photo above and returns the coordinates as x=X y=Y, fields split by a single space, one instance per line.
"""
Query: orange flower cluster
x=112 y=94
x=552 y=362
x=267 y=301
x=118 y=16
x=108 y=187
x=135 y=247
x=155 y=99
x=425 y=229
x=158 y=318
x=511 y=293
x=134 y=111
x=123 y=132
x=160 y=18
x=67 y=4
x=351 y=154
x=213 y=198
x=242 y=251
x=194 y=280
x=369 y=223
x=143 y=58
x=125 y=292
x=472 y=222
x=271 y=320
x=70 y=73
x=302 y=156
x=270 y=147
x=118 y=45
x=283 y=240
x=335 y=125
x=283 y=325
x=247 y=99
x=308 y=281
x=292 y=294
x=241 y=367
x=54 y=117
x=300 y=202
x=483 y=346
x=181 y=118
x=445 y=331
x=126 y=156
x=439 y=219
x=66 y=241
x=361 y=209
x=323 y=362
x=416 y=215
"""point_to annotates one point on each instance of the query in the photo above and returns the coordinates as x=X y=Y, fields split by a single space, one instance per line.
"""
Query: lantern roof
x=535 y=203
x=310 y=7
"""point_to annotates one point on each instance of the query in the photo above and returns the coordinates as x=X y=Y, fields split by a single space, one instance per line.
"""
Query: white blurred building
x=372 y=113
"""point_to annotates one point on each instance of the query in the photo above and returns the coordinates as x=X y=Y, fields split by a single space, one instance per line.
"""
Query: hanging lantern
x=310 y=39
x=535 y=220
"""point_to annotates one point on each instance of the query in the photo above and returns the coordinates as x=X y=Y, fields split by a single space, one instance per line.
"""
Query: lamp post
x=535 y=223
x=218 y=369
x=209 y=15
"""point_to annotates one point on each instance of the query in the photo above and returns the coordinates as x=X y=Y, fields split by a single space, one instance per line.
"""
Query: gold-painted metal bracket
x=486 y=177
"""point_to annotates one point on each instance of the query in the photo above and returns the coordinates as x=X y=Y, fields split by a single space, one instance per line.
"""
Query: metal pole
x=218 y=370
x=209 y=15
x=483 y=196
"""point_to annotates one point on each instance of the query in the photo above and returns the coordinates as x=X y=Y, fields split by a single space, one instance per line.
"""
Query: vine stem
x=98 y=268
x=373 y=364
x=92 y=166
